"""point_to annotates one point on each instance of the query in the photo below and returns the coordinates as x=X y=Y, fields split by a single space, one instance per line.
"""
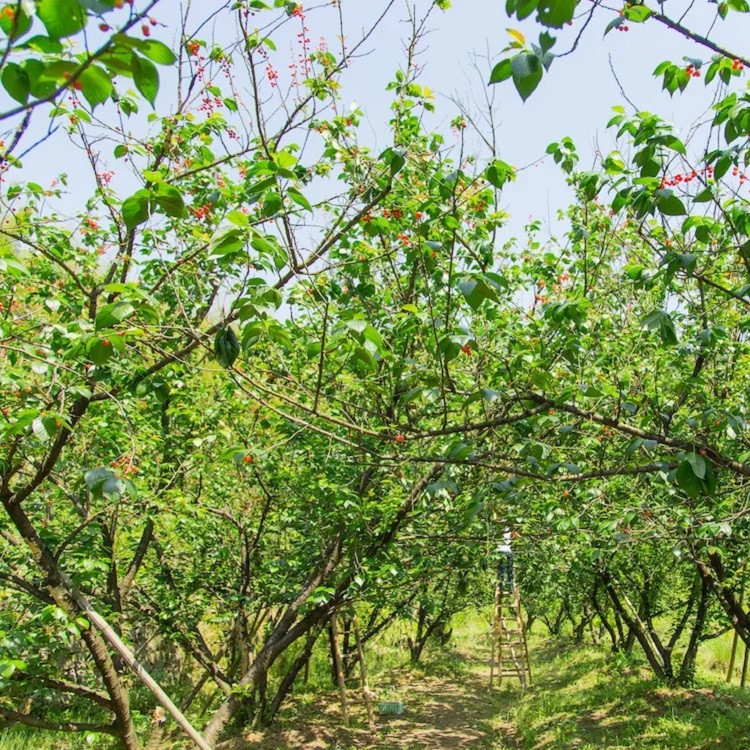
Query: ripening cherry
x=146 y=30
x=77 y=85
x=248 y=459
x=104 y=27
x=400 y=438
x=106 y=342
x=466 y=349
x=153 y=21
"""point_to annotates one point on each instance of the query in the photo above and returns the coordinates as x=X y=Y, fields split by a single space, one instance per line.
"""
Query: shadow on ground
x=580 y=700
x=446 y=709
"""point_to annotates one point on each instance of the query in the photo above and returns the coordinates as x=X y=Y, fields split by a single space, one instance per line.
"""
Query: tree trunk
x=59 y=589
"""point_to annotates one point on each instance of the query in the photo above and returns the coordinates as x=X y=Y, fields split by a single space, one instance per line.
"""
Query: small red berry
x=400 y=438
x=152 y=21
x=466 y=349
x=106 y=342
x=103 y=27
x=146 y=30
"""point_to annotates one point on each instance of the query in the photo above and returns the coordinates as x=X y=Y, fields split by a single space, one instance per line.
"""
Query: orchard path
x=446 y=708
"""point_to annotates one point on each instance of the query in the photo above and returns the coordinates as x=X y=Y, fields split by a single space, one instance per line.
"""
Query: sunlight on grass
x=582 y=698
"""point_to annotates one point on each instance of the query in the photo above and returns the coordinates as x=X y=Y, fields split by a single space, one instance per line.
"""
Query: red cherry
x=146 y=30
x=106 y=342
x=400 y=438
x=103 y=27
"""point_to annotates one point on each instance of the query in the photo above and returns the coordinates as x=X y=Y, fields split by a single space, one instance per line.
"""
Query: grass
x=581 y=698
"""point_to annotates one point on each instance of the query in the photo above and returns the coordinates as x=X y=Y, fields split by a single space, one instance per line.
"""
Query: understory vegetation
x=582 y=697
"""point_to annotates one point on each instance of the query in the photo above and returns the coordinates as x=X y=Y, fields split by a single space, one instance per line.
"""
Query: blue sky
x=575 y=99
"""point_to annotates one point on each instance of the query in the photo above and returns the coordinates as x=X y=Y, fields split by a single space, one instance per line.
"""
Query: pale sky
x=574 y=99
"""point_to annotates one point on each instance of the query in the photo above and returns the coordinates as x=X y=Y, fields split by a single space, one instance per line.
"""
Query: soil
x=444 y=711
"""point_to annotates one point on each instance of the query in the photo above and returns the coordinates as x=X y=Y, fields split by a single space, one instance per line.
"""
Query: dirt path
x=447 y=710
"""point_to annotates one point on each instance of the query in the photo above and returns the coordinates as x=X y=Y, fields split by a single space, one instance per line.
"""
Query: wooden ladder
x=510 y=653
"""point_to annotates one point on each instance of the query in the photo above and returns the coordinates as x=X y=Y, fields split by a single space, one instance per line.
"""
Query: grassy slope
x=580 y=699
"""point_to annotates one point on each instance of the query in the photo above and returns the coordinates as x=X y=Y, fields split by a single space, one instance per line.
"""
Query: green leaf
x=157 y=51
x=97 y=86
x=61 y=18
x=498 y=173
x=697 y=464
x=104 y=483
x=45 y=428
x=44 y=44
x=113 y=313
x=98 y=6
x=145 y=77
x=661 y=321
x=688 y=482
x=394 y=158
x=671 y=205
x=299 y=199
x=169 y=199
x=227 y=240
x=476 y=292
x=527 y=72
x=271 y=203
x=556 y=13
x=502 y=71
x=101 y=350
x=15 y=81
x=722 y=166
x=226 y=347
x=135 y=209
x=637 y=13
x=15 y=25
